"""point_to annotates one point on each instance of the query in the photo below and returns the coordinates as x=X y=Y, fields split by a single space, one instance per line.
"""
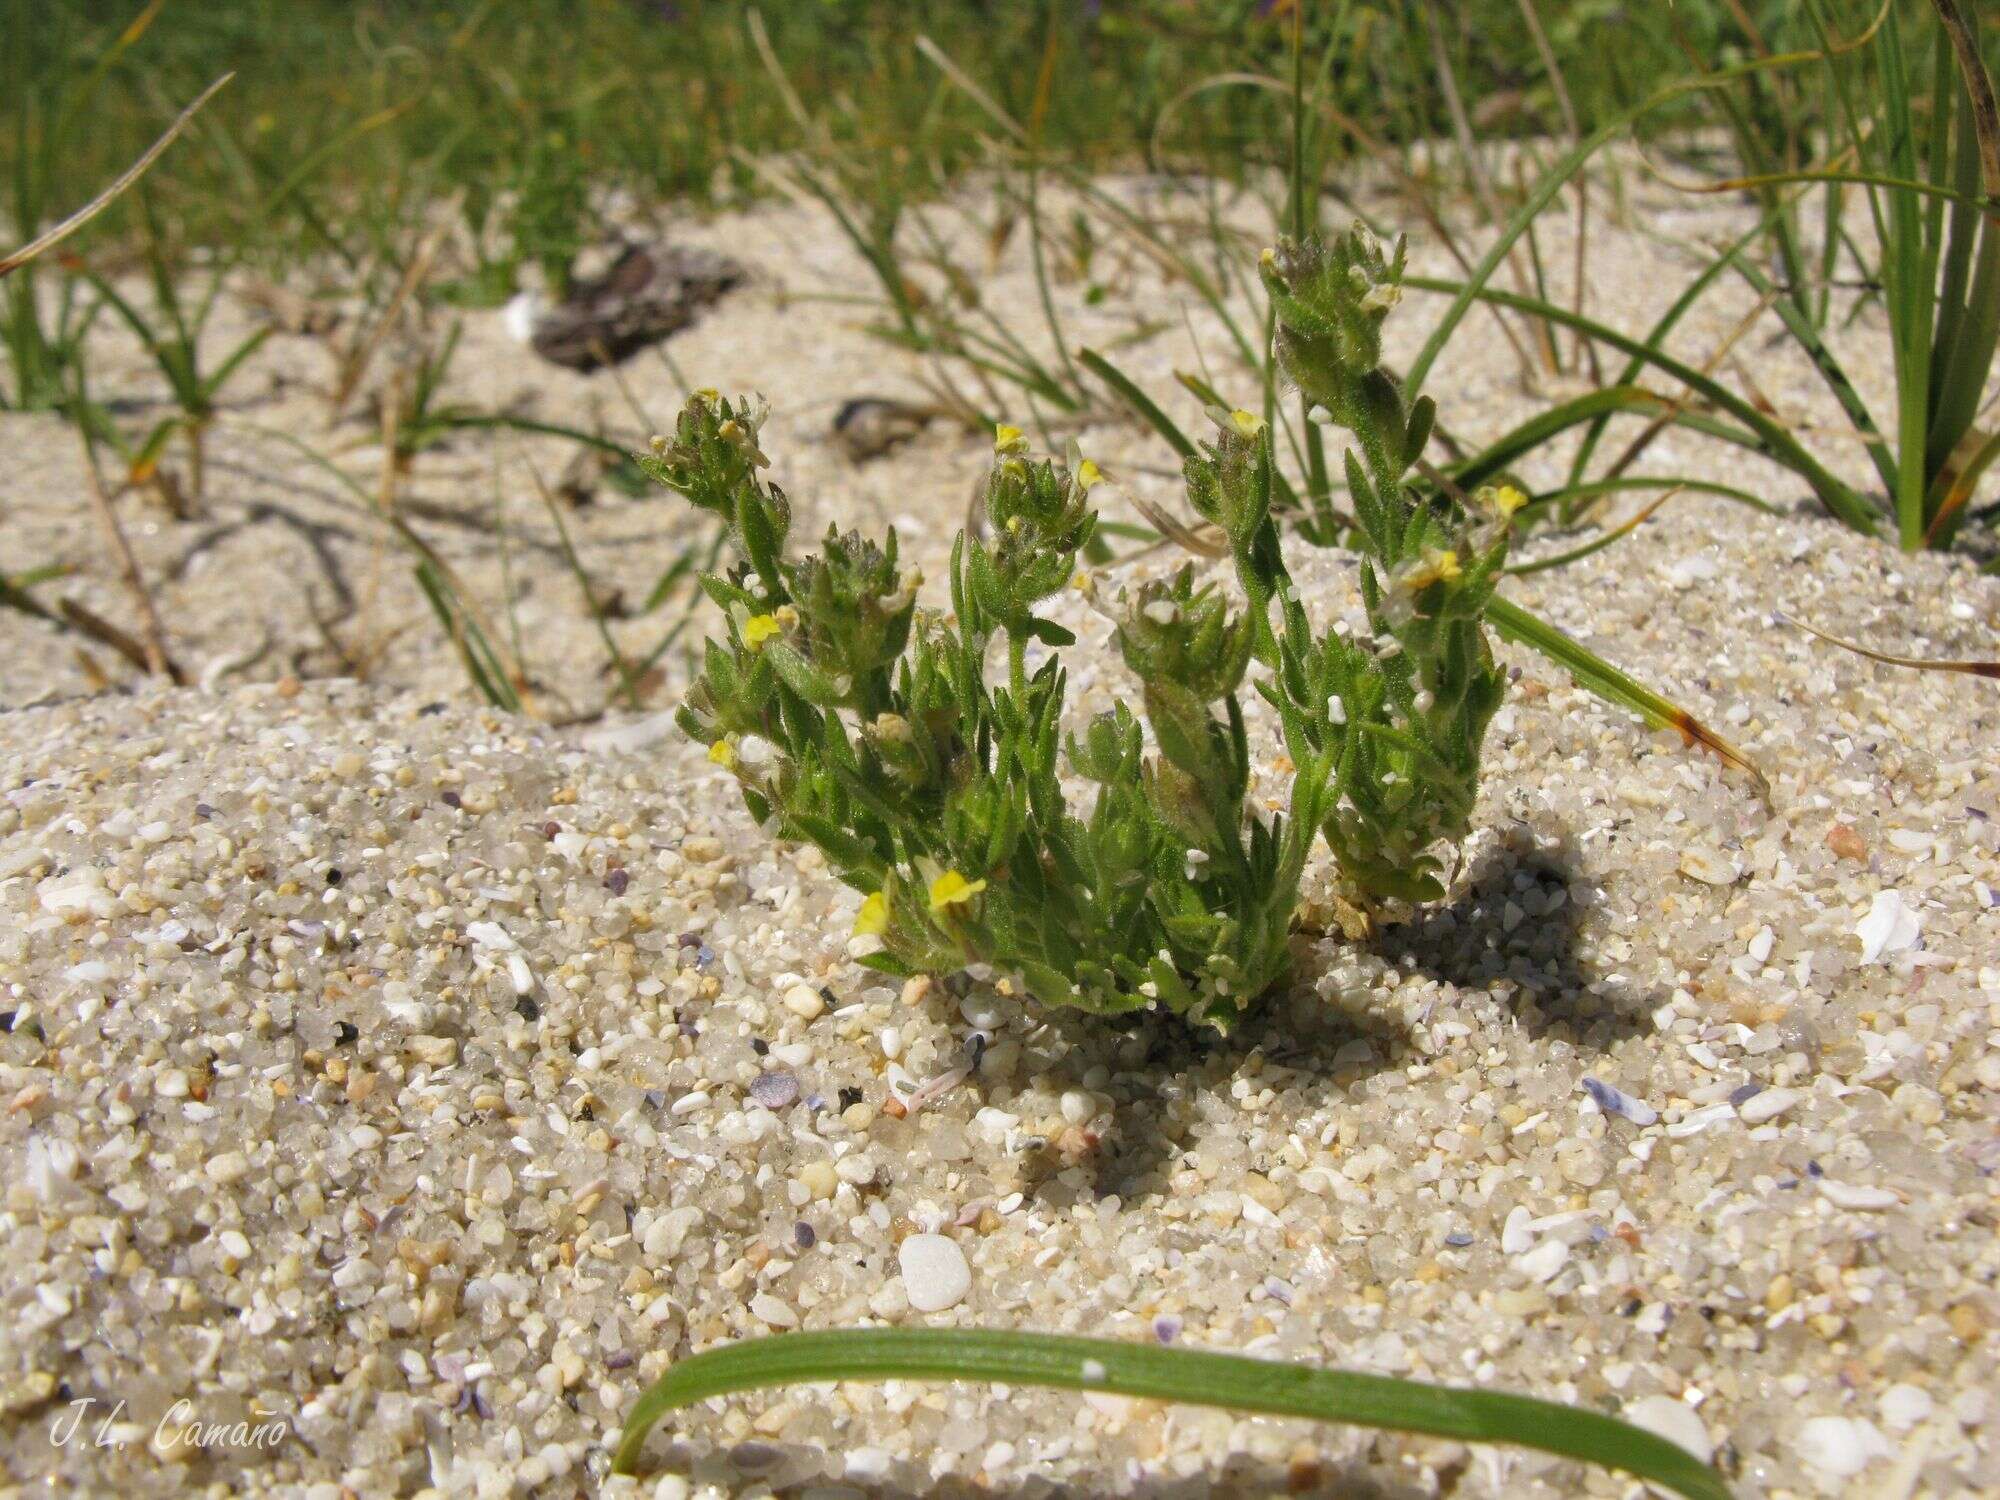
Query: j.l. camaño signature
x=179 y=1426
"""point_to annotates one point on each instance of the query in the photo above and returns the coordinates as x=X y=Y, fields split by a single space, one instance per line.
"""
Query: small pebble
x=935 y=1273
x=1841 y=1447
x=1904 y=1406
x=1767 y=1104
x=1544 y=1262
x=775 y=1090
x=1709 y=866
x=805 y=1001
x=1890 y=927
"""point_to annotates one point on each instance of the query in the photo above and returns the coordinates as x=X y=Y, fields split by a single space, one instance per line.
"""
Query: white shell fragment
x=1767 y=1104
x=1889 y=928
x=1673 y=1420
x=1856 y=1195
x=1615 y=1101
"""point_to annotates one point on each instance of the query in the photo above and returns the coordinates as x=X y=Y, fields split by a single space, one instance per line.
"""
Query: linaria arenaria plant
x=1403 y=708
x=874 y=729
x=922 y=755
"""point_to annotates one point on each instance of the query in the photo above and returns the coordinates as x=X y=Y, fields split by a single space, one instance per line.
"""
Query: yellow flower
x=709 y=394
x=723 y=752
x=759 y=629
x=1267 y=257
x=1008 y=438
x=1087 y=474
x=1433 y=567
x=873 y=918
x=1248 y=423
x=1506 y=500
x=953 y=889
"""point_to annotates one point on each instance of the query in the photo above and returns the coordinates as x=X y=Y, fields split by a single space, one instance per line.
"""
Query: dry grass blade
x=87 y=622
x=1968 y=668
x=104 y=199
x=1975 y=454
x=152 y=638
x=1205 y=540
x=1677 y=405
x=1595 y=544
x=1573 y=127
x=369 y=340
x=592 y=599
x=1420 y=199
x=1979 y=87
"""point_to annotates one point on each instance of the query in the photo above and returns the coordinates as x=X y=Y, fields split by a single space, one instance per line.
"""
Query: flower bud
x=1174 y=632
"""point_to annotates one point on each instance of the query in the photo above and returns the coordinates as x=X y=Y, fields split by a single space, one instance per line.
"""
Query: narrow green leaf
x=1193 y=1376
x=1138 y=400
x=1613 y=686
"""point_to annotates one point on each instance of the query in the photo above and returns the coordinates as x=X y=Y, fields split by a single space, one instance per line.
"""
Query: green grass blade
x=1185 y=1375
x=1592 y=489
x=1656 y=335
x=213 y=385
x=1551 y=182
x=628 y=679
x=1965 y=197
x=1772 y=438
x=1593 y=406
x=456 y=420
x=14 y=593
x=482 y=662
x=1613 y=686
x=1128 y=391
x=1799 y=324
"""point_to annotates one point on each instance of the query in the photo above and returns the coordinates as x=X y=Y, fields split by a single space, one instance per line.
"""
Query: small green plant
x=148 y=650
x=44 y=352
x=173 y=337
x=859 y=722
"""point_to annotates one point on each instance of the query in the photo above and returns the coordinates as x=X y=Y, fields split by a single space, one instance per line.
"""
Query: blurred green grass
x=529 y=107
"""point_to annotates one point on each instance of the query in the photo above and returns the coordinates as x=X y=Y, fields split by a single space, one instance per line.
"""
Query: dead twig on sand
x=152 y=654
